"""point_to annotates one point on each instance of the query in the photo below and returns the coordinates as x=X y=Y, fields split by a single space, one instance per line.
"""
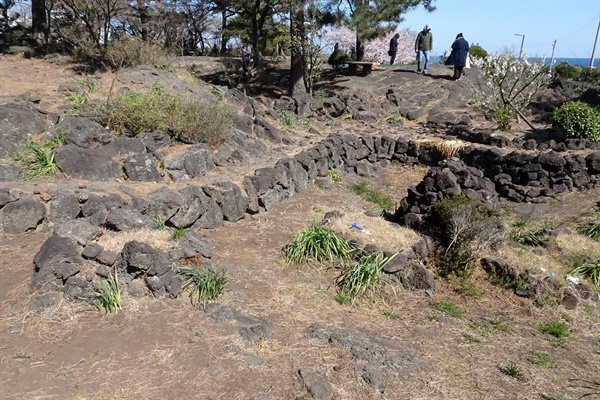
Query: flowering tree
x=375 y=49
x=509 y=86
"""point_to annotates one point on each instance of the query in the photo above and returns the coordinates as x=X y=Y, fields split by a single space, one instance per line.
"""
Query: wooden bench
x=367 y=67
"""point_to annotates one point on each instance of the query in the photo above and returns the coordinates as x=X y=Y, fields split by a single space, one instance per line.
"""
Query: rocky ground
x=277 y=332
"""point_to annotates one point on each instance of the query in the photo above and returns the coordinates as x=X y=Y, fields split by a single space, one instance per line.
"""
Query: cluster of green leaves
x=578 y=119
x=566 y=71
x=476 y=51
x=507 y=282
x=334 y=175
x=362 y=278
x=108 y=294
x=205 y=284
x=337 y=58
x=288 y=118
x=318 y=244
x=524 y=232
x=190 y=120
x=38 y=158
x=384 y=201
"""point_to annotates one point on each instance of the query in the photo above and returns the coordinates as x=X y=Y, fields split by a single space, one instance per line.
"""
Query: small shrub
x=342 y=298
x=476 y=51
x=319 y=94
x=384 y=201
x=590 y=270
x=205 y=285
x=503 y=281
x=364 y=276
x=448 y=308
x=542 y=359
x=590 y=75
x=130 y=51
x=317 y=244
x=511 y=369
x=555 y=328
x=504 y=116
x=566 y=71
x=337 y=58
x=286 y=117
x=217 y=93
x=89 y=84
x=456 y=263
x=108 y=294
x=578 y=119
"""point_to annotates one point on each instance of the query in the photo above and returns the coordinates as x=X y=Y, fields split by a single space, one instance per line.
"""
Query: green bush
x=39 y=158
x=317 y=244
x=477 y=51
x=338 y=57
x=362 y=278
x=578 y=119
x=190 y=120
x=205 y=284
x=130 y=51
x=108 y=294
x=591 y=75
x=566 y=71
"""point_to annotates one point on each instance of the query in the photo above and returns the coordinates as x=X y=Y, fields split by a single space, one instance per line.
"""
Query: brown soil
x=165 y=349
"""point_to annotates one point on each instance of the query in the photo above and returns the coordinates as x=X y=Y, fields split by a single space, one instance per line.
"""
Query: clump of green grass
x=205 y=284
x=511 y=369
x=364 y=277
x=334 y=175
x=177 y=233
x=557 y=329
x=390 y=314
x=158 y=222
x=288 y=118
x=590 y=270
x=383 y=201
x=190 y=120
x=468 y=289
x=217 y=93
x=448 y=308
x=37 y=158
x=317 y=244
x=108 y=294
x=525 y=233
x=591 y=227
x=542 y=359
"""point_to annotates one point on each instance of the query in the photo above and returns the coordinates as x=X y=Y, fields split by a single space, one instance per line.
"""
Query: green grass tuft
x=511 y=369
x=317 y=244
x=364 y=277
x=384 y=201
x=542 y=359
x=177 y=233
x=108 y=294
x=590 y=270
x=37 y=158
x=205 y=285
x=555 y=328
x=448 y=308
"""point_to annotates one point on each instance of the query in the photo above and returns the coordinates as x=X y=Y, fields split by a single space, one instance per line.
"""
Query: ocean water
x=583 y=62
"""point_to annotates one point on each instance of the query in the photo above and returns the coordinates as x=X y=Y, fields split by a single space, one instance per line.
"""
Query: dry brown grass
x=446 y=148
x=385 y=235
x=159 y=239
x=574 y=244
x=528 y=258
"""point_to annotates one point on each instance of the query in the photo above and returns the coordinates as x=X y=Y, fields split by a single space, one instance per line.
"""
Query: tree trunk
x=298 y=37
x=39 y=23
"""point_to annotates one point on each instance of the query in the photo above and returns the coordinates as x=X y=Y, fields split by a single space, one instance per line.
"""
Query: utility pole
x=552 y=58
x=594 y=49
x=522 y=42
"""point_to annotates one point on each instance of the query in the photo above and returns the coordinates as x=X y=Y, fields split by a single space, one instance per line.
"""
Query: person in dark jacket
x=458 y=56
x=393 y=48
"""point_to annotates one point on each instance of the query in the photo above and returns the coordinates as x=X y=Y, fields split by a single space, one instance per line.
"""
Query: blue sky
x=494 y=23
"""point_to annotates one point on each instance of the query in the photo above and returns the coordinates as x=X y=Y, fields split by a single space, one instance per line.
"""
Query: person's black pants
x=457 y=72
x=392 y=57
x=245 y=63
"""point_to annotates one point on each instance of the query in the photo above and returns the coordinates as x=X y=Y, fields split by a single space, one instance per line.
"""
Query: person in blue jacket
x=458 y=56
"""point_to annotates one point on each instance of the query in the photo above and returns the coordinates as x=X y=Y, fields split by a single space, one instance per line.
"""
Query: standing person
x=393 y=48
x=458 y=56
x=424 y=45
x=247 y=55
